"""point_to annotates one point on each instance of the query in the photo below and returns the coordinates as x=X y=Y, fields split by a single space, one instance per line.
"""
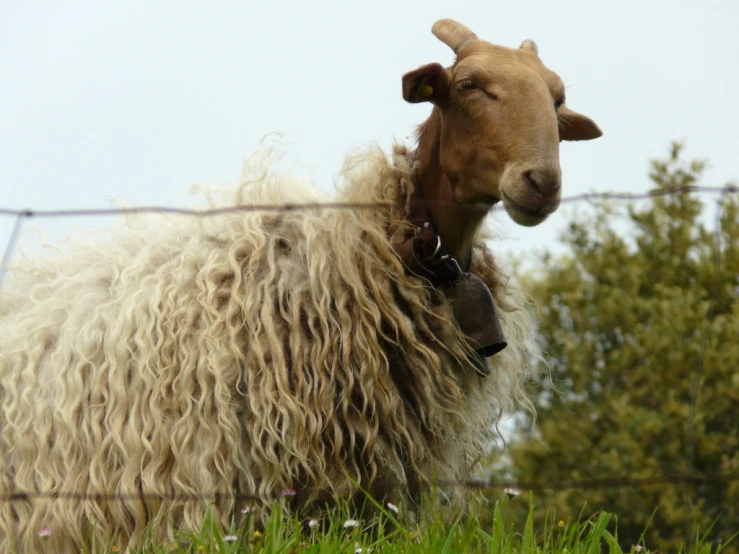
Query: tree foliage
x=640 y=320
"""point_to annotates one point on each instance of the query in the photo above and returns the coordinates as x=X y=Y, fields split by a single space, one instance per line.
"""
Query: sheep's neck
x=455 y=223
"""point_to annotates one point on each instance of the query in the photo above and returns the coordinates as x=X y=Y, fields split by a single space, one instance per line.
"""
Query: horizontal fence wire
x=198 y=213
x=510 y=487
x=28 y=213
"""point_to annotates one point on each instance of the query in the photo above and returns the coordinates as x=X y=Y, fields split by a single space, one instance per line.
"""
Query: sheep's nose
x=544 y=183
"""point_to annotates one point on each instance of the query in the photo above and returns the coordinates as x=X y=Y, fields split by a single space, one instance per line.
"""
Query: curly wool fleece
x=250 y=352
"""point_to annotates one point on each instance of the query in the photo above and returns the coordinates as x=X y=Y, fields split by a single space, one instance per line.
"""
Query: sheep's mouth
x=482 y=201
x=525 y=215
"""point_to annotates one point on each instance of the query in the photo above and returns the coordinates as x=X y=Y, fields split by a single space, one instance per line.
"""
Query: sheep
x=318 y=350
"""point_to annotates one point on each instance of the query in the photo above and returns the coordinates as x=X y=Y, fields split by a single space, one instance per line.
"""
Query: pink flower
x=289 y=492
x=248 y=508
x=44 y=533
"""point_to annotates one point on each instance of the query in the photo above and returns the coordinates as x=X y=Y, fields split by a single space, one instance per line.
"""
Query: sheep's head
x=502 y=117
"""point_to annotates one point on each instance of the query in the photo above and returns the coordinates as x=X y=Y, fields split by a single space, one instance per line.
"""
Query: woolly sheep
x=262 y=350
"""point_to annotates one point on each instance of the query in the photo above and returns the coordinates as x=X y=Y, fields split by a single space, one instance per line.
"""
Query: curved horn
x=453 y=34
x=531 y=45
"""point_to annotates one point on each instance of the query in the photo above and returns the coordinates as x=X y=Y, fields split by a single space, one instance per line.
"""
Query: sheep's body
x=247 y=352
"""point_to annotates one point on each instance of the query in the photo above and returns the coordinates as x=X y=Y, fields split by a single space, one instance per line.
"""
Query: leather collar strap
x=424 y=255
x=423 y=252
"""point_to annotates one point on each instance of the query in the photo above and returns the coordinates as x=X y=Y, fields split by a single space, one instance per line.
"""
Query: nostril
x=530 y=177
x=543 y=183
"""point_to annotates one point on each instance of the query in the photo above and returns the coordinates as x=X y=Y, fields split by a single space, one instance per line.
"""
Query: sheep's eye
x=466 y=85
x=558 y=103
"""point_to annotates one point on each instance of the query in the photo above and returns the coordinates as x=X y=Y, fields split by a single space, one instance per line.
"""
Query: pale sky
x=139 y=100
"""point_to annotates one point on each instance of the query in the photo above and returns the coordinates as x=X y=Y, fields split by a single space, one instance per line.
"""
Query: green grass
x=488 y=528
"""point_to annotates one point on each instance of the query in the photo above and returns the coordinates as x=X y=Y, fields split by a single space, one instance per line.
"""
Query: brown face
x=502 y=118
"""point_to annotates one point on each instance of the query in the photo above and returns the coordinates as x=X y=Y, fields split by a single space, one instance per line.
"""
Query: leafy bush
x=640 y=319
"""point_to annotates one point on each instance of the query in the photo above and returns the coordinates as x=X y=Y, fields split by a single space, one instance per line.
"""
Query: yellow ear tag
x=426 y=90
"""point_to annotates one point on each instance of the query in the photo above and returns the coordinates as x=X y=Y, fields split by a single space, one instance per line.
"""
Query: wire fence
x=22 y=215
x=511 y=487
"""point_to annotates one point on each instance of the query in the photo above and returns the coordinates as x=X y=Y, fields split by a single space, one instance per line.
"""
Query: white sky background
x=139 y=100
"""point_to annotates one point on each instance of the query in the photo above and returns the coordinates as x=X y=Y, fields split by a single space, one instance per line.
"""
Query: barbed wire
x=509 y=487
x=22 y=215
x=653 y=193
x=290 y=207
x=196 y=212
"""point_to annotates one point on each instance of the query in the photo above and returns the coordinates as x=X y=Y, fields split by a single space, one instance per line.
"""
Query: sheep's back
x=251 y=352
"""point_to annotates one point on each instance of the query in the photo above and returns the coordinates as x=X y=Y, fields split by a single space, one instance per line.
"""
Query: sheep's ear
x=576 y=126
x=428 y=83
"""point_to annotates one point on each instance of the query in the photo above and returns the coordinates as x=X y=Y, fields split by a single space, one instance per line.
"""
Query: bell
x=474 y=309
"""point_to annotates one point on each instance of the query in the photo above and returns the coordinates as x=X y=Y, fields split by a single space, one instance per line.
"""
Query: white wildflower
x=351 y=523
